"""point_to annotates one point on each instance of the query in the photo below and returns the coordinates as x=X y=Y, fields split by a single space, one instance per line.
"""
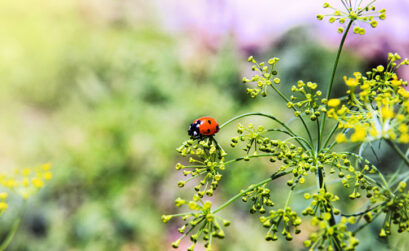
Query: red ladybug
x=205 y=126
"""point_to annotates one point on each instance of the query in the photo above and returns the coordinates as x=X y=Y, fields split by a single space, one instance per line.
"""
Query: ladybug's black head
x=193 y=130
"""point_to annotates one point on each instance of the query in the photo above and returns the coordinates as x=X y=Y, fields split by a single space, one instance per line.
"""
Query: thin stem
x=334 y=69
x=283 y=131
x=11 y=234
x=306 y=128
x=280 y=93
x=273 y=177
x=257 y=114
x=358 y=157
x=332 y=221
x=366 y=211
x=289 y=198
x=367 y=223
x=319 y=136
x=250 y=156
x=330 y=135
x=399 y=152
x=302 y=120
x=267 y=116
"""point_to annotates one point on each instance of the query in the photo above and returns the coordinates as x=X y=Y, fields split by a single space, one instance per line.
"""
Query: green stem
x=334 y=69
x=302 y=120
x=257 y=114
x=11 y=234
x=280 y=93
x=306 y=128
x=330 y=135
x=366 y=211
x=367 y=223
x=273 y=177
x=319 y=136
x=332 y=221
x=385 y=185
x=399 y=152
x=289 y=134
x=250 y=156
x=289 y=198
x=267 y=116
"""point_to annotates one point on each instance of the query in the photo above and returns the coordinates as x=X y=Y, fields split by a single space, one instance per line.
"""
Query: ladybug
x=205 y=126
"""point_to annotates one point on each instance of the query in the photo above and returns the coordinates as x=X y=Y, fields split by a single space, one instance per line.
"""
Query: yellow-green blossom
x=355 y=12
x=379 y=109
x=26 y=181
x=334 y=102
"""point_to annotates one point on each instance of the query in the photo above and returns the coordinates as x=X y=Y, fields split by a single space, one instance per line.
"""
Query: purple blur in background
x=255 y=25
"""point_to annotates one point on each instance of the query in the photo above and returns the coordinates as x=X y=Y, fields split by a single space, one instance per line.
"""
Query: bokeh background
x=105 y=91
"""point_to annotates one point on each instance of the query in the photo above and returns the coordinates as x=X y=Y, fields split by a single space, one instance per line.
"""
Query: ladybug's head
x=193 y=130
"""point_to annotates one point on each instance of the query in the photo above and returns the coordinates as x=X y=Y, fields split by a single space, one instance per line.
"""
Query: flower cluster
x=380 y=108
x=253 y=136
x=287 y=217
x=396 y=212
x=207 y=159
x=27 y=181
x=321 y=203
x=293 y=158
x=260 y=197
x=207 y=224
x=3 y=203
x=363 y=12
x=265 y=77
x=355 y=177
x=308 y=101
x=331 y=237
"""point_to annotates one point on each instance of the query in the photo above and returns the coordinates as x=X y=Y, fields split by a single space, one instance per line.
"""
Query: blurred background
x=105 y=90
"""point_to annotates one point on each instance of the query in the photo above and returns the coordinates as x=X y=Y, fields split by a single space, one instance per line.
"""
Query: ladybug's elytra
x=205 y=126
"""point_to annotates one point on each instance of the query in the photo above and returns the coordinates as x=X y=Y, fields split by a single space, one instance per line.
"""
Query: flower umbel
x=379 y=109
x=27 y=181
x=354 y=11
x=265 y=76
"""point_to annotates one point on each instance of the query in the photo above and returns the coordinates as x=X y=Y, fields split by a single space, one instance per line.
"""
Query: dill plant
x=375 y=108
x=24 y=182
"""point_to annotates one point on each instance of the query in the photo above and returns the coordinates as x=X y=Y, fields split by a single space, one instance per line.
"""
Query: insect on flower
x=202 y=127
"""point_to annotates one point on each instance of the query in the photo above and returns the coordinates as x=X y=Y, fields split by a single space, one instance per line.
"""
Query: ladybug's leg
x=218 y=147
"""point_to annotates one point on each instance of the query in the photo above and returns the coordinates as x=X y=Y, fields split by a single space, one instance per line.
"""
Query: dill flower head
x=26 y=181
x=265 y=75
x=377 y=105
x=362 y=11
x=206 y=161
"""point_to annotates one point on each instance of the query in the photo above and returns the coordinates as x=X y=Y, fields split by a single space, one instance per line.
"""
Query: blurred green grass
x=107 y=101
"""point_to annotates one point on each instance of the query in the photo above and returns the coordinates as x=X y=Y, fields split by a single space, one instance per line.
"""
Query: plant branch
x=302 y=120
x=334 y=69
x=267 y=116
x=273 y=177
x=399 y=152
x=11 y=234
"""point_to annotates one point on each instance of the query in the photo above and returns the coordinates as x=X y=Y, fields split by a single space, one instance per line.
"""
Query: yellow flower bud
x=387 y=113
x=351 y=82
x=396 y=83
x=340 y=138
x=359 y=134
x=403 y=93
x=334 y=102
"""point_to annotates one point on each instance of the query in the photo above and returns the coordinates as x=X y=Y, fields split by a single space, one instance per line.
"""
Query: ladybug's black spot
x=208 y=130
x=210 y=122
x=217 y=128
